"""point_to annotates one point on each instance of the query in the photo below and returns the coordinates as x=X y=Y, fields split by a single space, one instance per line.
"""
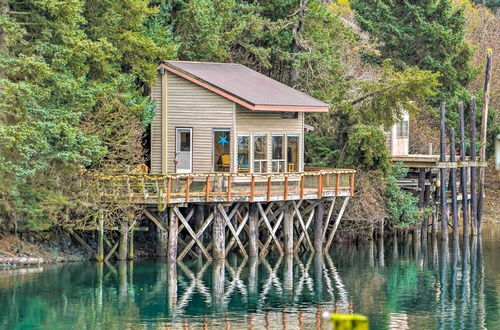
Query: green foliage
x=428 y=34
x=61 y=63
x=366 y=149
x=384 y=101
x=401 y=205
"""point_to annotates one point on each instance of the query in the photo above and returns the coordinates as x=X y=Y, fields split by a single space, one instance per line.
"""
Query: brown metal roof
x=245 y=86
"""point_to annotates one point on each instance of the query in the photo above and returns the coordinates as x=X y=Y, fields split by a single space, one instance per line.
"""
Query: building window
x=402 y=129
x=221 y=147
x=278 y=157
x=292 y=153
x=260 y=153
x=244 y=153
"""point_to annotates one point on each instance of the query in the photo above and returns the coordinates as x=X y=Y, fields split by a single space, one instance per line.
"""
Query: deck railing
x=163 y=189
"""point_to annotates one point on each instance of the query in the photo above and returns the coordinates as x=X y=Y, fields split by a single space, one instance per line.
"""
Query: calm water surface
x=399 y=286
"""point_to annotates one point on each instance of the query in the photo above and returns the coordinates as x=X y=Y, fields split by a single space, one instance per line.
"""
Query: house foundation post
x=218 y=235
x=253 y=232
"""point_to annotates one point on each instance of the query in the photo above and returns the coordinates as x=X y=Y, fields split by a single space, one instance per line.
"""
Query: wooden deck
x=432 y=161
x=163 y=190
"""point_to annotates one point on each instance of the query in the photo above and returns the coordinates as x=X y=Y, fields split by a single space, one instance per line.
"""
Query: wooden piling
x=218 y=235
x=318 y=227
x=453 y=185
x=131 y=245
x=161 y=234
x=421 y=193
x=100 y=239
x=122 y=249
x=444 y=219
x=473 y=192
x=463 y=172
x=288 y=229
x=483 y=140
x=173 y=233
x=253 y=230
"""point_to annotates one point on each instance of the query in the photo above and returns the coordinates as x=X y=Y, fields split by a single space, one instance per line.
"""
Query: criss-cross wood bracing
x=212 y=215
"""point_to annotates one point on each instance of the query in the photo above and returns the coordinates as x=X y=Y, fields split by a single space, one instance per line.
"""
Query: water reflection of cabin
x=221 y=117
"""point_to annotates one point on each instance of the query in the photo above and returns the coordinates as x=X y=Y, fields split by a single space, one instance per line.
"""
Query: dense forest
x=75 y=77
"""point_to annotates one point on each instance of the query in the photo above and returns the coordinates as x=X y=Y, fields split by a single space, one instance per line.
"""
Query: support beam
x=123 y=248
x=173 y=234
x=463 y=172
x=473 y=192
x=100 y=239
x=483 y=140
x=444 y=213
x=453 y=184
x=337 y=222
x=218 y=237
x=253 y=228
x=288 y=229
x=318 y=227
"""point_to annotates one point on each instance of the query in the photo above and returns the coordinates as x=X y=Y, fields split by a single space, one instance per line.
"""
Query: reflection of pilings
x=395 y=245
x=371 y=254
x=481 y=297
x=416 y=243
x=218 y=279
x=318 y=275
x=435 y=252
x=253 y=283
x=465 y=282
x=162 y=235
x=443 y=283
x=453 y=281
x=122 y=281
x=171 y=288
x=288 y=277
x=381 y=258
x=100 y=271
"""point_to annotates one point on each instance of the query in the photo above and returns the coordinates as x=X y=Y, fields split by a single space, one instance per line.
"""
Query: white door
x=184 y=150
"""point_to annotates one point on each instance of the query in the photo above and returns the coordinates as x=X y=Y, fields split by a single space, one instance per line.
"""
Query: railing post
x=169 y=189
x=320 y=186
x=269 y=188
x=188 y=183
x=302 y=184
x=252 y=189
x=337 y=184
x=207 y=189
x=351 y=181
x=285 y=189
x=229 y=187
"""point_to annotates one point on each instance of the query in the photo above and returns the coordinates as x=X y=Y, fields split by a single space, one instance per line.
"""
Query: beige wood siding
x=251 y=122
x=156 y=142
x=193 y=106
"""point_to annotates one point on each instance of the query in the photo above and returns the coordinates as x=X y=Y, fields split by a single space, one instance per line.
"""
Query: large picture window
x=292 y=153
x=260 y=153
x=244 y=153
x=221 y=147
x=278 y=156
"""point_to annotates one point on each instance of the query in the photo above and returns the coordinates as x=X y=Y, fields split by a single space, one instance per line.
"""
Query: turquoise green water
x=426 y=286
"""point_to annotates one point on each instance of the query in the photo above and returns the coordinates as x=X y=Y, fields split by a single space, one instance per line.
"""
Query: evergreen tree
x=428 y=34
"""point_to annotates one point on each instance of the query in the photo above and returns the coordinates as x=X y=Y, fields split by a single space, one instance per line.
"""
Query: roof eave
x=234 y=98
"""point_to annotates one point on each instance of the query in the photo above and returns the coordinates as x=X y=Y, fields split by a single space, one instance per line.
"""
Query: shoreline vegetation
x=76 y=77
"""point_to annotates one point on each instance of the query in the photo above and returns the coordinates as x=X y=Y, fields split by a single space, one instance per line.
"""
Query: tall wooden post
x=173 y=233
x=218 y=237
x=218 y=280
x=473 y=192
x=162 y=235
x=463 y=172
x=122 y=249
x=318 y=227
x=421 y=195
x=444 y=218
x=453 y=180
x=253 y=230
x=100 y=239
x=288 y=228
x=482 y=149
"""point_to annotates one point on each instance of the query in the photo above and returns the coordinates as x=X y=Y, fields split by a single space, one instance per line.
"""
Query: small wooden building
x=398 y=137
x=224 y=117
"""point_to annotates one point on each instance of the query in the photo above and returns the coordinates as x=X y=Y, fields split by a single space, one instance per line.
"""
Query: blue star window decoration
x=223 y=140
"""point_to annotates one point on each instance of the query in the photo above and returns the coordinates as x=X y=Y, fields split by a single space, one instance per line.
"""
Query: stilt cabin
x=224 y=117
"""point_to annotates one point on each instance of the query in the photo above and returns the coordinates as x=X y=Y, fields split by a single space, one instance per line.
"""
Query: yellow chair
x=226 y=162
